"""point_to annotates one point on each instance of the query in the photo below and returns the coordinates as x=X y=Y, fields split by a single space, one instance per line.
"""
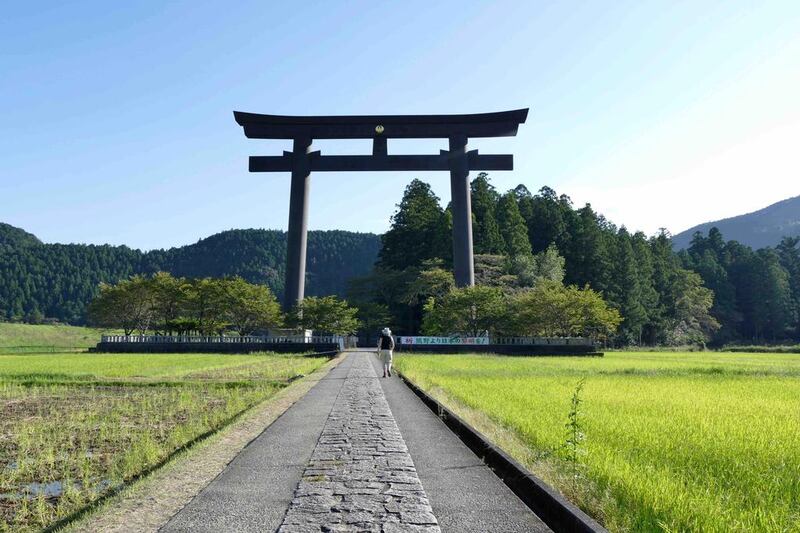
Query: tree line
x=756 y=292
x=162 y=304
x=166 y=305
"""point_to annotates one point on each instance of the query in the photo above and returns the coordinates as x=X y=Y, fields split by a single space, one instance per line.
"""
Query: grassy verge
x=75 y=426
x=673 y=442
x=24 y=338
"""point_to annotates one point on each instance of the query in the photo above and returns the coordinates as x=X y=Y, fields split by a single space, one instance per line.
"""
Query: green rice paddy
x=673 y=441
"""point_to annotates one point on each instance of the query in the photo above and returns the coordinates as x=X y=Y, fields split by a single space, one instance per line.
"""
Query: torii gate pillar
x=297 y=236
x=461 y=202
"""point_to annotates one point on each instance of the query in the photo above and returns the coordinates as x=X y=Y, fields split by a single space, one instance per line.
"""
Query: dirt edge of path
x=149 y=503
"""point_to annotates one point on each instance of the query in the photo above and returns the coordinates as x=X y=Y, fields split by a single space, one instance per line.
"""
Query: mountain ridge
x=757 y=229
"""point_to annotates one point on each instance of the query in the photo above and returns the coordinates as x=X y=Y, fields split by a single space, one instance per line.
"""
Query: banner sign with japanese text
x=443 y=340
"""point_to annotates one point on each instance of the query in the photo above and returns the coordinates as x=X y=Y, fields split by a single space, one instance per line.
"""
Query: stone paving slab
x=360 y=476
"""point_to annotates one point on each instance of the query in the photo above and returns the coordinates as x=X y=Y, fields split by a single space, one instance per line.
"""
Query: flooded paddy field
x=74 y=427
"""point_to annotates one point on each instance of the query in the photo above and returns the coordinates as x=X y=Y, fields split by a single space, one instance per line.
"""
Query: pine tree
x=512 y=226
x=486 y=237
x=648 y=296
x=419 y=230
x=765 y=296
x=589 y=259
x=712 y=260
x=789 y=256
x=666 y=265
x=626 y=291
x=525 y=203
x=543 y=218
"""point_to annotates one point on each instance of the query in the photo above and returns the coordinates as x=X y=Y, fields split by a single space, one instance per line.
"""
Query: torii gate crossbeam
x=301 y=161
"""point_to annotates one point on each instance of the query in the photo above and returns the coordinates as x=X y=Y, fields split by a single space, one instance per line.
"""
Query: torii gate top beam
x=379 y=128
x=502 y=124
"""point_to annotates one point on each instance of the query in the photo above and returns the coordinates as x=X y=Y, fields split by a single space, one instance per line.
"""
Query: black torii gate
x=301 y=161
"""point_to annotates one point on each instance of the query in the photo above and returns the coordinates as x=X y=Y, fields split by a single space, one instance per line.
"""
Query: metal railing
x=343 y=342
x=199 y=339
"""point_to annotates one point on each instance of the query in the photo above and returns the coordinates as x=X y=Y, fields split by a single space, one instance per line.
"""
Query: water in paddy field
x=52 y=489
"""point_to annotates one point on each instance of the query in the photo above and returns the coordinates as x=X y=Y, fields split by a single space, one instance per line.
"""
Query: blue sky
x=116 y=120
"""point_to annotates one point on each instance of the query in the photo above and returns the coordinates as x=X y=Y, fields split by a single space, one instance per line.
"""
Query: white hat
x=386 y=331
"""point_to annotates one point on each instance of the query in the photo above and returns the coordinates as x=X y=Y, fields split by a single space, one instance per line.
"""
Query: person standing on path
x=385 y=348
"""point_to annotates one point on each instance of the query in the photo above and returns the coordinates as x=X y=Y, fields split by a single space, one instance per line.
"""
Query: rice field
x=74 y=427
x=672 y=441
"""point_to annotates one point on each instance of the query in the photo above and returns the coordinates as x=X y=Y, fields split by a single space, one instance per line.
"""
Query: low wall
x=218 y=347
x=502 y=349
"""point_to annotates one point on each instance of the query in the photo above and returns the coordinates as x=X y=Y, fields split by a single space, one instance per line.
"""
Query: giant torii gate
x=301 y=161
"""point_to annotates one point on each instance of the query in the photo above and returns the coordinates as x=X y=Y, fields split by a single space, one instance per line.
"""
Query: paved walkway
x=357 y=453
x=360 y=476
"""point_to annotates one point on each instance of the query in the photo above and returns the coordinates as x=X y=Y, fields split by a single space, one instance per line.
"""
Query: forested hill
x=765 y=227
x=58 y=280
x=11 y=237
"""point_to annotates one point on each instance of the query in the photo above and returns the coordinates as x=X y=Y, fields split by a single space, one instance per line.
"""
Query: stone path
x=360 y=476
x=354 y=455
